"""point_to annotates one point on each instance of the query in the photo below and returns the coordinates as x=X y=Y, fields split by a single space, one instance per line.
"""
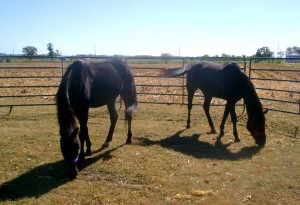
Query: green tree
x=57 y=53
x=264 y=52
x=166 y=57
x=294 y=49
x=50 y=49
x=30 y=51
x=227 y=56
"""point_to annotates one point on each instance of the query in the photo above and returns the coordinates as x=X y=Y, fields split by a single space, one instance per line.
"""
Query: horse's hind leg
x=207 y=100
x=113 y=120
x=191 y=93
x=128 y=117
x=88 y=146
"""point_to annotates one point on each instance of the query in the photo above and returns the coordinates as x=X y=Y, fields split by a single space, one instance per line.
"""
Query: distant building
x=292 y=58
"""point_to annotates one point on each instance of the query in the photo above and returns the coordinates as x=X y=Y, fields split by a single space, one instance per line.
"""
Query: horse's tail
x=173 y=72
x=128 y=93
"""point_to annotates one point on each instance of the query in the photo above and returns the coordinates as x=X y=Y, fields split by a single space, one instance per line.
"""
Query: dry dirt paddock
x=166 y=164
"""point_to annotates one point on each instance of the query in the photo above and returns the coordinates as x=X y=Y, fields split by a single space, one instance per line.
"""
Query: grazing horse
x=225 y=81
x=88 y=85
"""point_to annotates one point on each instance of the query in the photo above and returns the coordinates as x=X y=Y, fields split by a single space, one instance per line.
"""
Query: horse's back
x=217 y=80
x=110 y=79
x=116 y=68
x=206 y=76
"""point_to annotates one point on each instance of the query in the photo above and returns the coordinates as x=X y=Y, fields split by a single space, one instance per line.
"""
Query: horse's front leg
x=113 y=120
x=206 y=104
x=84 y=136
x=234 y=121
x=81 y=154
x=225 y=115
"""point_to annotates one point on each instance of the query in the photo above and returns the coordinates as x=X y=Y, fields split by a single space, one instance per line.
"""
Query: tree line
x=264 y=52
x=31 y=51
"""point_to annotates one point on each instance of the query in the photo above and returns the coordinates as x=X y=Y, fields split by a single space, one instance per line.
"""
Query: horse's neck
x=251 y=99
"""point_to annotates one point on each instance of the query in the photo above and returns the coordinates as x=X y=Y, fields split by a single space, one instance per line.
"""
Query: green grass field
x=166 y=164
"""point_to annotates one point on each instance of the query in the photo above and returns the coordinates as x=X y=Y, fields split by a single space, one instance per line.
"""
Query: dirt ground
x=166 y=164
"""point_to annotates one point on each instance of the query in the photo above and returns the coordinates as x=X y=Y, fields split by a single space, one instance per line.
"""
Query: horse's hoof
x=237 y=140
x=212 y=132
x=81 y=161
x=88 y=152
x=188 y=127
x=128 y=142
x=106 y=144
x=218 y=142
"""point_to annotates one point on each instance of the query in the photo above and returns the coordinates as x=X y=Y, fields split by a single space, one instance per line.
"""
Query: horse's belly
x=102 y=99
x=98 y=101
x=96 y=104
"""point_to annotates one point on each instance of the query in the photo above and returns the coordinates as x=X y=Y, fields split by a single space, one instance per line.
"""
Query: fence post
x=250 y=64
x=182 y=87
x=62 y=66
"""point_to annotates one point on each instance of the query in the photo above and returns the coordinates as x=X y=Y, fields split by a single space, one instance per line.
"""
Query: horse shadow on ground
x=192 y=146
x=44 y=178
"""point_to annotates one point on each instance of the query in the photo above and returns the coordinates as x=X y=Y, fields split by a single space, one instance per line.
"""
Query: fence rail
x=34 y=83
x=278 y=87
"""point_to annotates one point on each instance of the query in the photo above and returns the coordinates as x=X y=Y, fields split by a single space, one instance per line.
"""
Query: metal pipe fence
x=34 y=83
x=169 y=90
x=277 y=85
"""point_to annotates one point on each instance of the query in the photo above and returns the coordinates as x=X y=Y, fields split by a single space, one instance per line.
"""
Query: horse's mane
x=64 y=111
x=251 y=98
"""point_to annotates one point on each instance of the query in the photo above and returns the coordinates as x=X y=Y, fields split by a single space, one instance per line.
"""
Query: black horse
x=225 y=81
x=88 y=85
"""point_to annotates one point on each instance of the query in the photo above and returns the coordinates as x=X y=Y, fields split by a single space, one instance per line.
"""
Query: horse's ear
x=74 y=133
x=265 y=111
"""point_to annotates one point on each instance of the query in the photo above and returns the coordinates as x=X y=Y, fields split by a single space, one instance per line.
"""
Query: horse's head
x=70 y=145
x=256 y=126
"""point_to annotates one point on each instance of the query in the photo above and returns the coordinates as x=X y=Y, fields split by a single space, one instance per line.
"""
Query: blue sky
x=140 y=27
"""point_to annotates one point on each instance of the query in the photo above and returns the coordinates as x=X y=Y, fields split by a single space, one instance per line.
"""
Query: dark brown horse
x=225 y=81
x=88 y=85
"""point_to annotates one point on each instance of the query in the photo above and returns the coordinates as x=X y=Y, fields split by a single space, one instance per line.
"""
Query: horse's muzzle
x=72 y=164
x=260 y=139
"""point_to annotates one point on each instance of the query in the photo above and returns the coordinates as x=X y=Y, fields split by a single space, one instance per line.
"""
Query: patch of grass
x=166 y=164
